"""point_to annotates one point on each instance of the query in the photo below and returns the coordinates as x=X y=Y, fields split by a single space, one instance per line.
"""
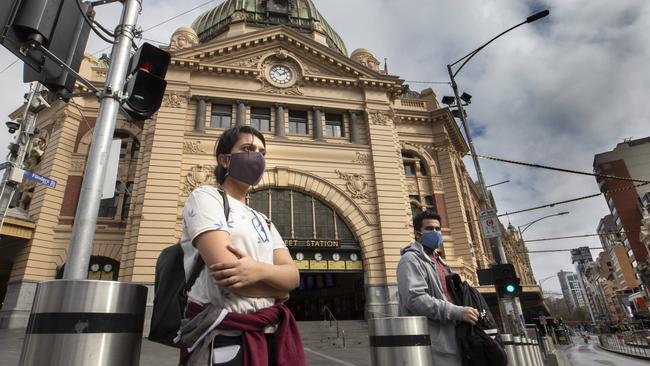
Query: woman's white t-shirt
x=249 y=233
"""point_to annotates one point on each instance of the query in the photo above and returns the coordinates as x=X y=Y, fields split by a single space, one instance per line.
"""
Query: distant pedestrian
x=422 y=290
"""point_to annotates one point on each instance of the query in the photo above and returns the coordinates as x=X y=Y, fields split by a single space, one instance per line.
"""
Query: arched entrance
x=325 y=250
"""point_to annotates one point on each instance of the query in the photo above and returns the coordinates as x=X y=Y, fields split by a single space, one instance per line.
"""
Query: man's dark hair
x=226 y=143
x=421 y=216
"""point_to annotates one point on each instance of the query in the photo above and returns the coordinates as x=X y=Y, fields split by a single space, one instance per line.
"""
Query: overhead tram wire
x=534 y=165
x=577 y=236
x=556 y=250
x=163 y=22
x=91 y=23
x=9 y=66
x=427 y=82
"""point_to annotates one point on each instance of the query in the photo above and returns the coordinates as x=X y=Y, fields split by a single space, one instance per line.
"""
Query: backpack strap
x=198 y=265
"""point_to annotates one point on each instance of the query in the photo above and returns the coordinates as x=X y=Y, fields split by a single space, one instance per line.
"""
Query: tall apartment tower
x=629 y=159
x=571 y=289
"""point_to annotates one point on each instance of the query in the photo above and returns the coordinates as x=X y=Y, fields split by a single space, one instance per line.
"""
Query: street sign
x=490 y=224
x=40 y=179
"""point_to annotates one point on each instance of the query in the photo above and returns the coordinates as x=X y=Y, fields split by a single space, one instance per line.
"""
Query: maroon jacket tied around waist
x=289 y=346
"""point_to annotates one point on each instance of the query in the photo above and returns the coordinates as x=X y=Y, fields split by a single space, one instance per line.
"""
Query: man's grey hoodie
x=421 y=294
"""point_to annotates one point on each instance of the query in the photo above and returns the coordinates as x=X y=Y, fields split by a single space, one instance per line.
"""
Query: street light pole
x=513 y=306
x=477 y=166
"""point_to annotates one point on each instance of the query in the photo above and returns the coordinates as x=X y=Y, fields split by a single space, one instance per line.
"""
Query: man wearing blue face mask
x=423 y=291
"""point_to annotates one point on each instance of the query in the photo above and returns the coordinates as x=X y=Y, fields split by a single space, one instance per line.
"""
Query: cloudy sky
x=554 y=92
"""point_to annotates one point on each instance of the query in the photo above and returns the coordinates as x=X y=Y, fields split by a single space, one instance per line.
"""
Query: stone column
x=241 y=113
x=199 y=123
x=353 y=127
x=279 y=121
x=318 y=126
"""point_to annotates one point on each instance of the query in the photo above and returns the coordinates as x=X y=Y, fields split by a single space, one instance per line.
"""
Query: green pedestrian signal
x=510 y=288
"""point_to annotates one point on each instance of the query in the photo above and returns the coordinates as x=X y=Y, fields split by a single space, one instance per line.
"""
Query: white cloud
x=555 y=92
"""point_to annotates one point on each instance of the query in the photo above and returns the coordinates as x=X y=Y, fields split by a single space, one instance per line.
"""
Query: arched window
x=299 y=217
x=419 y=185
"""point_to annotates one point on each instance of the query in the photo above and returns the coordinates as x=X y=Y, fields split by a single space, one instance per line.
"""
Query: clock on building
x=300 y=256
x=336 y=256
x=318 y=256
x=280 y=74
x=353 y=257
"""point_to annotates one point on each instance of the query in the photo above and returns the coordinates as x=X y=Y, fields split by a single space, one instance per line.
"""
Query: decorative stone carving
x=238 y=16
x=356 y=184
x=318 y=26
x=193 y=147
x=184 y=37
x=437 y=183
x=251 y=62
x=362 y=158
x=270 y=89
x=365 y=58
x=412 y=188
x=379 y=118
x=173 y=100
x=77 y=166
x=311 y=70
x=198 y=175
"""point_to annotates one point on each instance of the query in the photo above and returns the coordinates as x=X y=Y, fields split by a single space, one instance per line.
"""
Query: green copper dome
x=301 y=15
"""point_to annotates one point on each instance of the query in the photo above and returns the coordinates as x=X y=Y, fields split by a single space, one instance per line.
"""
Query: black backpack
x=477 y=347
x=170 y=290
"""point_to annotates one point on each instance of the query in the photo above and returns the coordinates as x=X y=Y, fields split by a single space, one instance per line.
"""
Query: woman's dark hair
x=421 y=216
x=227 y=141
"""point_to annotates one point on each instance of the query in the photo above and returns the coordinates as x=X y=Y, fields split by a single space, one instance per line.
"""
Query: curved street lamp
x=527 y=225
x=461 y=113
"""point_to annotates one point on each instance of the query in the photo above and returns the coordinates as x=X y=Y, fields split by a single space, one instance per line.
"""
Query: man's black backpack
x=170 y=290
x=476 y=346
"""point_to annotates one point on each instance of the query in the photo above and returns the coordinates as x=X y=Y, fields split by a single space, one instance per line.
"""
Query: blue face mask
x=431 y=240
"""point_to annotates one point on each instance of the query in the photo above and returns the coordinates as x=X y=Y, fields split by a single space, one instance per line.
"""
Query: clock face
x=336 y=256
x=318 y=256
x=353 y=257
x=300 y=256
x=280 y=74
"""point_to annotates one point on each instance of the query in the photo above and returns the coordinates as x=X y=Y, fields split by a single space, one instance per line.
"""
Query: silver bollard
x=538 y=352
x=400 y=341
x=509 y=345
x=528 y=347
x=519 y=351
x=78 y=322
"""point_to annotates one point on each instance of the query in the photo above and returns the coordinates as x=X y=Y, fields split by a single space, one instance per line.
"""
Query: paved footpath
x=322 y=348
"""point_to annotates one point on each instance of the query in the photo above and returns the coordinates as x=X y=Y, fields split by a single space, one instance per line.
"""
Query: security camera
x=13 y=126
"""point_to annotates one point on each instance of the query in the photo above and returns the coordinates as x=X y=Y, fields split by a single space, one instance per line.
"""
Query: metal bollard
x=538 y=352
x=78 y=322
x=509 y=345
x=400 y=341
x=530 y=351
x=519 y=351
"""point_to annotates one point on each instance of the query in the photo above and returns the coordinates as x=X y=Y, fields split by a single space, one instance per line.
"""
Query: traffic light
x=508 y=287
x=506 y=280
x=56 y=25
x=146 y=84
x=68 y=43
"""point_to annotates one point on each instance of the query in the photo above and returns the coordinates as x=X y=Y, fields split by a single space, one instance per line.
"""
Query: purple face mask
x=247 y=167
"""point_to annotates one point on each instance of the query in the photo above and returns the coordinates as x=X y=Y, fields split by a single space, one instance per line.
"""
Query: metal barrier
x=528 y=349
x=400 y=341
x=622 y=343
x=519 y=351
x=509 y=345
x=537 y=352
x=75 y=323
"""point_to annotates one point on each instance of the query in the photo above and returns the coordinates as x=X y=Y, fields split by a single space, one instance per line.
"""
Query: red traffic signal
x=146 y=84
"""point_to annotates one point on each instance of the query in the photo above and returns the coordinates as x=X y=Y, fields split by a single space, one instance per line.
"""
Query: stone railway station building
x=352 y=153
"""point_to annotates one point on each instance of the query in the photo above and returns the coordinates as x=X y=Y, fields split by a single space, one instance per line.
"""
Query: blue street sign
x=4 y=165
x=40 y=179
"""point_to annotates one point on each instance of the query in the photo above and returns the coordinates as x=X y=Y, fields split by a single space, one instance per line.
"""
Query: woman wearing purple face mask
x=235 y=305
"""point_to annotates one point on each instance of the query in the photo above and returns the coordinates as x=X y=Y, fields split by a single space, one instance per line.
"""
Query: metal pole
x=486 y=202
x=25 y=134
x=88 y=207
